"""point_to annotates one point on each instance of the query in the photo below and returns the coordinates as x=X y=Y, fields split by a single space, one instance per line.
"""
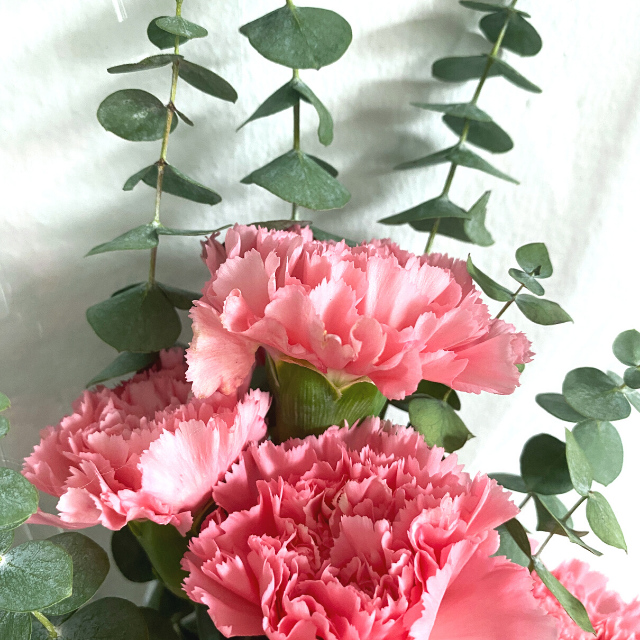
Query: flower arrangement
x=252 y=477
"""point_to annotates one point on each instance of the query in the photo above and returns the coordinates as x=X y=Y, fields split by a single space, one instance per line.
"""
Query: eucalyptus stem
x=508 y=304
x=46 y=623
x=563 y=520
x=524 y=502
x=296 y=138
x=467 y=123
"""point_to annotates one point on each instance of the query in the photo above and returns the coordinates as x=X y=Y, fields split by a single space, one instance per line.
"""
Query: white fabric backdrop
x=577 y=156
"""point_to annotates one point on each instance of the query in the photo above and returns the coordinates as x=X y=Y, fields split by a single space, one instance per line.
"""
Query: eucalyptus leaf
x=179 y=298
x=125 y=363
x=439 y=157
x=18 y=499
x=34 y=575
x=626 y=348
x=5 y=426
x=488 y=7
x=510 y=548
x=142 y=237
x=5 y=403
x=534 y=259
x=510 y=481
x=152 y=62
x=520 y=37
x=440 y=207
x=300 y=37
x=556 y=405
x=160 y=38
x=500 y=67
x=206 y=81
x=460 y=110
x=634 y=398
x=134 y=115
x=603 y=521
x=130 y=557
x=574 y=608
x=281 y=100
x=183 y=117
x=15 y=626
x=543 y=465
x=428 y=389
x=549 y=512
x=168 y=231
x=632 y=377
x=206 y=628
x=467 y=158
x=438 y=423
x=602 y=445
x=486 y=135
x=319 y=234
x=494 y=290
x=297 y=178
x=159 y=626
x=528 y=281
x=325 y=126
x=141 y=320
x=579 y=466
x=6 y=540
x=594 y=394
x=332 y=171
x=543 y=312
x=90 y=568
x=178 y=26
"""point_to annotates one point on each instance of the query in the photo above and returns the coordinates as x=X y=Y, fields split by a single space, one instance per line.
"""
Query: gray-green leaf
x=626 y=348
x=543 y=312
x=528 y=281
x=130 y=557
x=5 y=403
x=168 y=231
x=510 y=481
x=282 y=99
x=178 y=26
x=579 y=467
x=440 y=207
x=438 y=423
x=179 y=298
x=18 y=499
x=152 y=62
x=494 y=290
x=325 y=126
x=487 y=7
x=459 y=110
x=550 y=510
x=206 y=81
x=160 y=38
x=6 y=540
x=15 y=626
x=467 y=158
x=428 y=389
x=323 y=236
x=520 y=37
x=594 y=394
x=603 y=521
x=5 y=426
x=486 y=135
x=602 y=445
x=510 y=547
x=159 y=626
x=142 y=237
x=632 y=377
x=534 y=259
x=125 y=363
x=543 y=465
x=556 y=405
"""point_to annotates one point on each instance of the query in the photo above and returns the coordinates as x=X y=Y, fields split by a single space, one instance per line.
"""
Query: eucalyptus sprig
x=141 y=319
x=299 y=38
x=506 y=27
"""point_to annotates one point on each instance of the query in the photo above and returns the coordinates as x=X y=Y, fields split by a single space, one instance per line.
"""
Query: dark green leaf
x=167 y=231
x=34 y=575
x=134 y=115
x=141 y=320
x=18 y=499
x=325 y=126
x=332 y=171
x=467 y=158
x=162 y=39
x=487 y=7
x=632 y=396
x=206 y=81
x=543 y=312
x=543 y=465
x=486 y=135
x=90 y=568
x=300 y=38
x=626 y=348
x=520 y=37
x=438 y=423
x=579 y=467
x=5 y=403
x=152 y=62
x=206 y=628
x=136 y=177
x=632 y=377
x=15 y=626
x=520 y=366
x=142 y=237
x=159 y=626
x=549 y=513
x=281 y=225
x=180 y=298
x=595 y=395
x=510 y=481
x=130 y=557
x=296 y=178
x=556 y=405
x=440 y=207
x=324 y=236
x=428 y=389
x=514 y=543
x=169 y=604
x=459 y=110
x=178 y=26
x=439 y=157
x=494 y=290
x=183 y=117
x=569 y=602
x=603 y=521
x=5 y=426
x=6 y=540
x=534 y=259
x=509 y=73
x=284 y=98
x=528 y=281
x=125 y=363
x=602 y=445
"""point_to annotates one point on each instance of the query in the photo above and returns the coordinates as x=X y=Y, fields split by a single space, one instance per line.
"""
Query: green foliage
x=510 y=481
x=520 y=37
x=15 y=626
x=325 y=126
x=160 y=38
x=142 y=237
x=428 y=389
x=632 y=377
x=140 y=319
x=152 y=62
x=130 y=557
x=534 y=260
x=159 y=626
x=6 y=540
x=300 y=38
x=179 y=298
x=297 y=178
x=440 y=208
x=126 y=362
x=486 y=135
x=550 y=510
x=18 y=499
x=319 y=234
x=543 y=312
x=514 y=543
x=626 y=348
x=5 y=403
x=528 y=281
x=5 y=426
x=487 y=7
x=595 y=395
x=556 y=405
x=579 y=467
x=438 y=423
x=543 y=465
x=601 y=444
x=206 y=81
x=494 y=290
x=603 y=521
x=134 y=115
x=459 y=110
x=178 y=26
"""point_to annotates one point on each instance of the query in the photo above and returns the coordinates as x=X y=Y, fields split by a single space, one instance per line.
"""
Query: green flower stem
x=527 y=498
x=44 y=621
x=467 y=123
x=563 y=520
x=296 y=137
x=162 y=162
x=508 y=304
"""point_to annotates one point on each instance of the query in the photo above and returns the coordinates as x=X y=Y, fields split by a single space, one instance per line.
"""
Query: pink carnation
x=361 y=533
x=144 y=450
x=611 y=617
x=374 y=311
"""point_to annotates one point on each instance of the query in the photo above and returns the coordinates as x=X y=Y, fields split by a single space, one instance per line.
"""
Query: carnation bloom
x=611 y=617
x=143 y=450
x=371 y=311
x=360 y=533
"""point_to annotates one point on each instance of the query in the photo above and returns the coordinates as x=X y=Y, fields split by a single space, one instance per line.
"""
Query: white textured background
x=577 y=154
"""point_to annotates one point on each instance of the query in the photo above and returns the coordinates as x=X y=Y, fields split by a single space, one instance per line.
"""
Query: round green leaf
x=18 y=499
x=5 y=403
x=494 y=290
x=130 y=557
x=459 y=110
x=134 y=115
x=125 y=363
x=543 y=465
x=152 y=62
x=534 y=259
x=602 y=445
x=543 y=312
x=440 y=207
x=6 y=540
x=206 y=81
x=626 y=348
x=486 y=135
x=34 y=575
x=5 y=425
x=603 y=521
x=528 y=281
x=178 y=26
x=143 y=237
x=15 y=626
x=556 y=405
x=579 y=467
x=438 y=423
x=510 y=481
x=160 y=38
x=140 y=319
x=521 y=37
x=90 y=568
x=631 y=378
x=300 y=37
x=595 y=395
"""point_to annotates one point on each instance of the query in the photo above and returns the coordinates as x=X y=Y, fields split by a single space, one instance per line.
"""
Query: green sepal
x=603 y=447
x=300 y=37
x=528 y=281
x=534 y=260
x=319 y=234
x=595 y=394
x=125 y=363
x=540 y=311
x=134 y=115
x=603 y=521
x=543 y=465
x=489 y=286
x=152 y=62
x=178 y=26
x=464 y=110
x=520 y=37
x=510 y=481
x=579 y=466
x=160 y=38
x=140 y=319
x=557 y=406
x=206 y=81
x=129 y=556
x=514 y=543
x=297 y=178
x=438 y=423
x=428 y=389
x=486 y=135
x=142 y=237
x=18 y=499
